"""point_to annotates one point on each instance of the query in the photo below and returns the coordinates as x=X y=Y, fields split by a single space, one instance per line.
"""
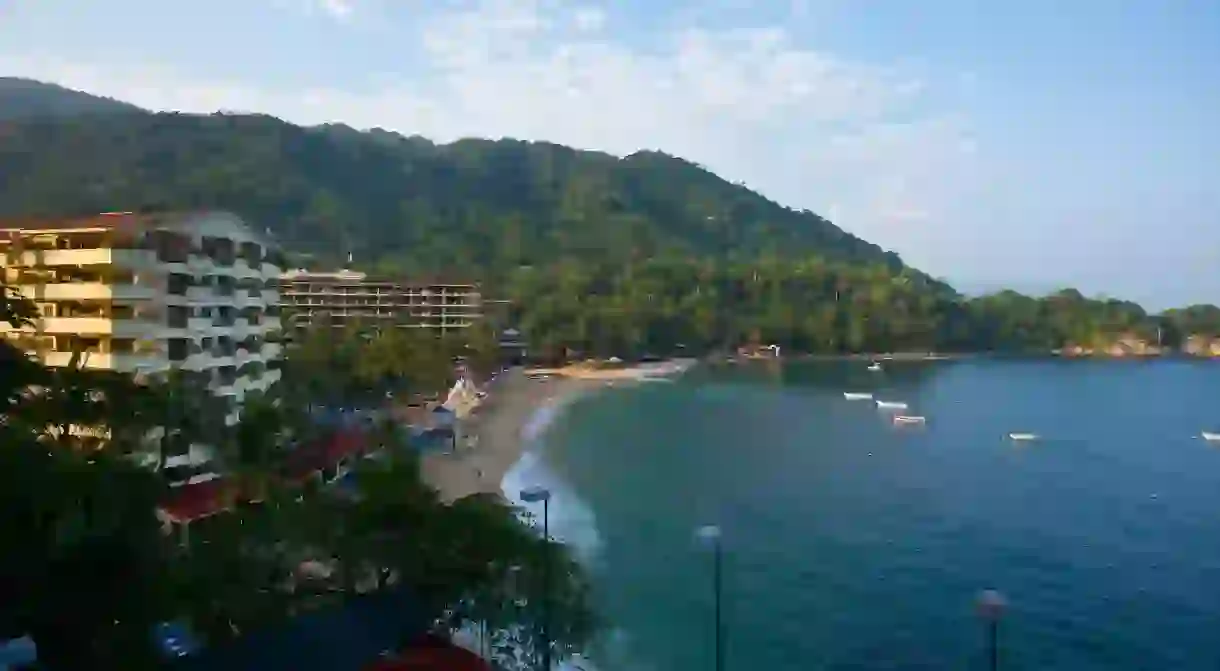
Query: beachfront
x=492 y=440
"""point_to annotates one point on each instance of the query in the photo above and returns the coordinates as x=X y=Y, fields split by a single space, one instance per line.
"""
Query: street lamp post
x=535 y=495
x=991 y=605
x=711 y=536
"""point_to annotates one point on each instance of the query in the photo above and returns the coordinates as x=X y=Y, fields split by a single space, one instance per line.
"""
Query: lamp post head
x=991 y=605
x=709 y=534
x=535 y=495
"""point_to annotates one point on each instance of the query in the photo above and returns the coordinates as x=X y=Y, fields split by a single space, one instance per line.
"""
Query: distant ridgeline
x=600 y=254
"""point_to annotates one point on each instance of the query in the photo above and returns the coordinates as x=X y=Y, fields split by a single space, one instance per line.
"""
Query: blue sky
x=1034 y=144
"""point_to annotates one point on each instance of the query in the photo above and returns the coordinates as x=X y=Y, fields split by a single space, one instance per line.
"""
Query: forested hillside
x=22 y=99
x=600 y=253
x=823 y=307
x=479 y=205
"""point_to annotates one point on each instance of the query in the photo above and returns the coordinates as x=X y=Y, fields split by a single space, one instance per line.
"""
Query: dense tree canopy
x=89 y=570
x=599 y=253
x=816 y=306
x=474 y=206
x=29 y=99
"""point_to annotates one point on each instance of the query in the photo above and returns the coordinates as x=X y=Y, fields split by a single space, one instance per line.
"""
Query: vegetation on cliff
x=25 y=99
x=816 y=306
x=477 y=205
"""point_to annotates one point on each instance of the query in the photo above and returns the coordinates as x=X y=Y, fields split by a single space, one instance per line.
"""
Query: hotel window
x=178 y=284
x=251 y=253
x=179 y=349
x=171 y=247
x=177 y=316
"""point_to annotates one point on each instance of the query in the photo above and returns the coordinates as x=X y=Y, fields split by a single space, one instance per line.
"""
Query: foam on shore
x=571 y=520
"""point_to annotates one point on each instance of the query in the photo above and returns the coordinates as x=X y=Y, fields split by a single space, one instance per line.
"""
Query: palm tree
x=79 y=524
x=253 y=450
x=183 y=412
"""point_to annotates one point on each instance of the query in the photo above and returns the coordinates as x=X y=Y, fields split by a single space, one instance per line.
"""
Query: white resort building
x=146 y=293
x=347 y=297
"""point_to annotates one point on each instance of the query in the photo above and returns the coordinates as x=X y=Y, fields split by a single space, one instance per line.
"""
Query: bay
x=851 y=543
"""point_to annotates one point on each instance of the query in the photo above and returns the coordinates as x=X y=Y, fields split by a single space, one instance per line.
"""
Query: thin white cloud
x=339 y=9
x=588 y=19
x=806 y=127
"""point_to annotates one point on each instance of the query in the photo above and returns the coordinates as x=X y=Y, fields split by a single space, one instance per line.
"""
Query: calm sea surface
x=853 y=544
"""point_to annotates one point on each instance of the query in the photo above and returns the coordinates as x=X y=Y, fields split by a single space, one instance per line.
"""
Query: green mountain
x=405 y=201
x=22 y=99
x=601 y=253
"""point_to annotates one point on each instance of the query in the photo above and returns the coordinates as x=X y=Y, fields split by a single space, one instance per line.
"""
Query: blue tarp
x=175 y=640
x=17 y=652
x=343 y=638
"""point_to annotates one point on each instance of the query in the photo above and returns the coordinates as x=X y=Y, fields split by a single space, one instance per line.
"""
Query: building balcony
x=201 y=295
x=246 y=270
x=134 y=328
x=200 y=264
x=199 y=324
x=197 y=455
x=87 y=291
x=125 y=363
x=135 y=259
x=199 y=361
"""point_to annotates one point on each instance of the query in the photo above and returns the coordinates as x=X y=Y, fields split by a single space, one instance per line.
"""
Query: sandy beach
x=511 y=400
x=497 y=422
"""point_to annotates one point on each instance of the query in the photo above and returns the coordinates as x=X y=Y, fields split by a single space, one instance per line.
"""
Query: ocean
x=852 y=543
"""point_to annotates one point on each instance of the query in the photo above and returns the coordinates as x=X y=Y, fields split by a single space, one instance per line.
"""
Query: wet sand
x=510 y=403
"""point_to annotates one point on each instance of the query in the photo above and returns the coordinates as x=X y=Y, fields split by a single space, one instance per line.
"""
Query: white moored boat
x=910 y=419
x=876 y=367
x=891 y=405
x=1023 y=436
x=1211 y=437
x=857 y=395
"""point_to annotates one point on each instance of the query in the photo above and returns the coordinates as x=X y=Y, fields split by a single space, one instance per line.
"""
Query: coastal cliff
x=1131 y=346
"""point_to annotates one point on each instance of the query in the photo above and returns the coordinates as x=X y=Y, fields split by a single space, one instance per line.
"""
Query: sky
x=1034 y=144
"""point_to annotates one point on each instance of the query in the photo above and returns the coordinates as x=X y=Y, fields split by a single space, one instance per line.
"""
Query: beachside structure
x=345 y=297
x=147 y=293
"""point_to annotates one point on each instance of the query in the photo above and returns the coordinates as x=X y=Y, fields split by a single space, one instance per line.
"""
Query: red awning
x=345 y=443
x=320 y=454
x=201 y=499
x=433 y=654
x=193 y=501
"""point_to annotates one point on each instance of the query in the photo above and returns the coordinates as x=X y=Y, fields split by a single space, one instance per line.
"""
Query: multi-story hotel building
x=146 y=293
x=345 y=297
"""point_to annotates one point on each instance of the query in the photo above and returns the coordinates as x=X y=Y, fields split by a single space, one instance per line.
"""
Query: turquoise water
x=853 y=544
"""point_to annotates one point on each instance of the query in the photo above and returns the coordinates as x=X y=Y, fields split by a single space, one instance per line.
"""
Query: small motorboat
x=857 y=395
x=891 y=405
x=876 y=367
x=910 y=419
x=1210 y=437
x=1023 y=436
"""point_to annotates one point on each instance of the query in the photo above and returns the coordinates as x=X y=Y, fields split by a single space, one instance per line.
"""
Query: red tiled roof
x=110 y=220
x=202 y=499
x=198 y=500
x=326 y=452
x=433 y=654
